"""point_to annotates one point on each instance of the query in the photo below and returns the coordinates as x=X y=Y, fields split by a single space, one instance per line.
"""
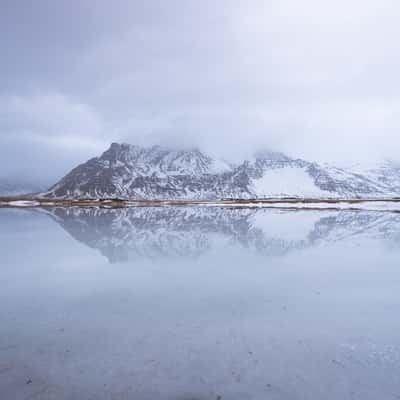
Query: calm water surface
x=199 y=303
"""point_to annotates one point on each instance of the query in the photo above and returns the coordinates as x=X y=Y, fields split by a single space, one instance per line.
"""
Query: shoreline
x=366 y=204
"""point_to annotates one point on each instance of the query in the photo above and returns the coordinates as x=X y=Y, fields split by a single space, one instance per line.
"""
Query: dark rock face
x=129 y=171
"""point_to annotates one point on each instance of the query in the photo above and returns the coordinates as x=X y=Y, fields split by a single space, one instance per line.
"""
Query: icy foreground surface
x=187 y=303
x=135 y=172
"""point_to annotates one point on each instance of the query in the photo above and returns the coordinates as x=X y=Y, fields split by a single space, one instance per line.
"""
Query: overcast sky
x=313 y=78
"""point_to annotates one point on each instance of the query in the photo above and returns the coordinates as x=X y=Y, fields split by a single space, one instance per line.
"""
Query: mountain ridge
x=156 y=172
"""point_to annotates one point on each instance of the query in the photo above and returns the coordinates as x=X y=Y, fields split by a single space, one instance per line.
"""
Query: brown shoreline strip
x=304 y=203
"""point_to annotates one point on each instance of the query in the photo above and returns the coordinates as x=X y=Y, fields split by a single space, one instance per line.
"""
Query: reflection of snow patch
x=287 y=181
x=290 y=226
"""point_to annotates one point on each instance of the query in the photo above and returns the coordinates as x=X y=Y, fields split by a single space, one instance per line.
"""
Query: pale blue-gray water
x=199 y=303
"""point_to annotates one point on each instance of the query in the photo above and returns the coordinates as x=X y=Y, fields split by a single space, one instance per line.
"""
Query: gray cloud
x=314 y=79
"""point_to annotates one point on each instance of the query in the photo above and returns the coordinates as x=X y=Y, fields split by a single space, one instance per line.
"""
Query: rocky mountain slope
x=128 y=171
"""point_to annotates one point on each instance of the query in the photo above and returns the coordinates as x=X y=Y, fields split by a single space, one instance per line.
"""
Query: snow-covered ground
x=22 y=203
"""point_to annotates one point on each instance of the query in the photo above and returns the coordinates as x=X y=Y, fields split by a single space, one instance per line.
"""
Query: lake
x=199 y=303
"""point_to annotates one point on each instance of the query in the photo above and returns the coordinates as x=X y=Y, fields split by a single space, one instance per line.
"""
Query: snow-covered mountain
x=128 y=171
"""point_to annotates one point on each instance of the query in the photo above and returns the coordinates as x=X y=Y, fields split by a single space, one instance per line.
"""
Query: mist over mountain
x=13 y=187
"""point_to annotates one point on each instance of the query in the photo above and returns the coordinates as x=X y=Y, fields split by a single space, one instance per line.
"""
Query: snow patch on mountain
x=287 y=182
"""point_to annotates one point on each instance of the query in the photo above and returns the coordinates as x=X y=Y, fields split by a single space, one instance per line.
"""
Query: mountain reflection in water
x=125 y=234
